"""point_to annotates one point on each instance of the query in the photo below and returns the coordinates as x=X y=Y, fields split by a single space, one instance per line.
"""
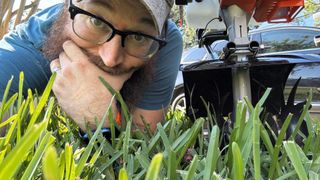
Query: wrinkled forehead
x=134 y=7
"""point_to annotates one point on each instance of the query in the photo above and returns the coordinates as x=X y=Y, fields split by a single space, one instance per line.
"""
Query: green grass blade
x=124 y=107
x=70 y=165
x=277 y=146
x=172 y=133
x=10 y=102
x=116 y=156
x=47 y=141
x=238 y=166
x=143 y=159
x=192 y=168
x=42 y=101
x=256 y=142
x=50 y=164
x=12 y=162
x=125 y=146
x=264 y=97
x=21 y=80
x=123 y=174
x=21 y=114
x=4 y=97
x=154 y=169
x=249 y=105
x=313 y=175
x=89 y=147
x=287 y=176
x=213 y=153
x=291 y=149
x=12 y=118
x=164 y=137
x=189 y=140
x=172 y=165
x=31 y=104
x=62 y=165
x=96 y=155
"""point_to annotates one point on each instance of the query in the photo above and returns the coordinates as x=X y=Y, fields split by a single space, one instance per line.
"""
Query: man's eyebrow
x=147 y=21
x=107 y=4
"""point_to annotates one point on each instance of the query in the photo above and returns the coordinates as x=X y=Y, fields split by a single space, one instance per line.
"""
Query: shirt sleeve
x=20 y=50
x=158 y=93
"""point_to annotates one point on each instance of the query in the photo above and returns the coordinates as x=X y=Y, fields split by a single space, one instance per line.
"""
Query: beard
x=132 y=89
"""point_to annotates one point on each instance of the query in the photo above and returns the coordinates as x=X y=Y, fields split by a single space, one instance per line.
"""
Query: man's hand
x=78 y=88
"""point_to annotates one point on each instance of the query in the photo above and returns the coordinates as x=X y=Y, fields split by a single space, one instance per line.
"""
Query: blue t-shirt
x=20 y=50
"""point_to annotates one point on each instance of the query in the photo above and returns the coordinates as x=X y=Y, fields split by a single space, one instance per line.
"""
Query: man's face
x=124 y=15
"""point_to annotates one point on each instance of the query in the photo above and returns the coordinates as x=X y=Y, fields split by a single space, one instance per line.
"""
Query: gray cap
x=159 y=9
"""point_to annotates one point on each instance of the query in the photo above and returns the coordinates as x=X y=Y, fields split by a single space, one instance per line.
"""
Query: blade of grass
x=172 y=165
x=154 y=169
x=42 y=101
x=62 y=164
x=116 y=156
x=31 y=104
x=143 y=159
x=125 y=146
x=256 y=142
x=192 y=169
x=190 y=140
x=293 y=154
x=89 y=147
x=172 y=133
x=164 y=137
x=124 y=107
x=95 y=156
x=213 y=153
x=274 y=162
x=20 y=97
x=10 y=102
x=308 y=143
x=50 y=164
x=20 y=116
x=47 y=141
x=313 y=175
x=123 y=174
x=70 y=165
x=287 y=175
x=12 y=118
x=12 y=162
x=4 y=97
x=238 y=166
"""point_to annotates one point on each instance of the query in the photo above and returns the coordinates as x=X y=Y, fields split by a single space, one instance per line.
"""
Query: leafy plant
x=42 y=142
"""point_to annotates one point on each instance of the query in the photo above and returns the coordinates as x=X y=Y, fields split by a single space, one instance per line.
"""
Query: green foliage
x=188 y=33
x=42 y=142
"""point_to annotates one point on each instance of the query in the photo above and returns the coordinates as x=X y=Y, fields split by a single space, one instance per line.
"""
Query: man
x=131 y=44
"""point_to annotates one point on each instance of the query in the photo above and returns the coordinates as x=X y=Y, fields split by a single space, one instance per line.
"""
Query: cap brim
x=159 y=10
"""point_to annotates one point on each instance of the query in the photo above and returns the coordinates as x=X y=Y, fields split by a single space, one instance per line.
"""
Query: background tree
x=188 y=33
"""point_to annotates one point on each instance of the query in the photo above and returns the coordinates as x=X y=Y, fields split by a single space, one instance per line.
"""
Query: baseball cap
x=159 y=10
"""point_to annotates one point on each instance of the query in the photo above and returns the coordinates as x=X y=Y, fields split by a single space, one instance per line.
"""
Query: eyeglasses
x=96 y=30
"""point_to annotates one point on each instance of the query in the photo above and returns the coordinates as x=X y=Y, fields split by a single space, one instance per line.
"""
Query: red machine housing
x=273 y=11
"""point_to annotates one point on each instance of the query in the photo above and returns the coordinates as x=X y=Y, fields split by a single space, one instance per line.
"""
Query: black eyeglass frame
x=74 y=10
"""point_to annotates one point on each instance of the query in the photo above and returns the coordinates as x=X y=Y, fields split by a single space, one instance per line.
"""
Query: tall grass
x=42 y=142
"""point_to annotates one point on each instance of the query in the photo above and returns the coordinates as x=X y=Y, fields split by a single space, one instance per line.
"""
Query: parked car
x=276 y=43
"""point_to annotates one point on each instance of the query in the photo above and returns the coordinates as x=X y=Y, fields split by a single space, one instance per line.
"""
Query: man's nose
x=111 y=52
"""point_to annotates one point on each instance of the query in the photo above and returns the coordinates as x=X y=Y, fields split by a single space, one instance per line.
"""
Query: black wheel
x=179 y=102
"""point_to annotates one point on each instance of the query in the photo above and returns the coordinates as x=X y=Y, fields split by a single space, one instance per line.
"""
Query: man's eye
x=139 y=38
x=97 y=23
